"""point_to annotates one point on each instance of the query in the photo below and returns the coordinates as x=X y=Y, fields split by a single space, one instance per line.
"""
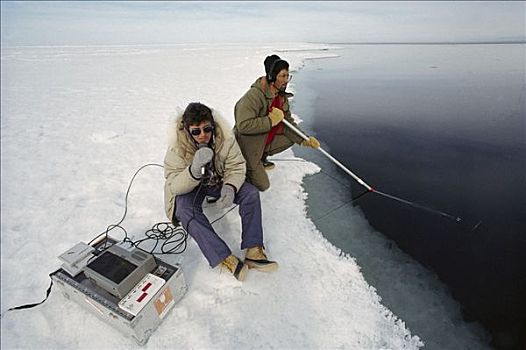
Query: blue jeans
x=189 y=210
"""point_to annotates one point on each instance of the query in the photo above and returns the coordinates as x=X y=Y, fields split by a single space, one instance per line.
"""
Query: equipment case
x=143 y=314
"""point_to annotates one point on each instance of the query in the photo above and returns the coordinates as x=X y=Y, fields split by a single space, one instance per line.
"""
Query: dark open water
x=444 y=126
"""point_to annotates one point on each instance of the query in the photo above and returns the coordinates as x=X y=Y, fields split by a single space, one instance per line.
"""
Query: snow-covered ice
x=77 y=122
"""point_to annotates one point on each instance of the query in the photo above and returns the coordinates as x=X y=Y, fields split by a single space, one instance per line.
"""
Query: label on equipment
x=164 y=302
x=141 y=294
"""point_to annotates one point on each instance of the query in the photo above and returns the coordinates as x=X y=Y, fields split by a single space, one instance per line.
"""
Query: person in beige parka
x=203 y=160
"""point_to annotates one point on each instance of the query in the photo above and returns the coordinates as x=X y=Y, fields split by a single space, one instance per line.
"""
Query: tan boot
x=257 y=259
x=235 y=266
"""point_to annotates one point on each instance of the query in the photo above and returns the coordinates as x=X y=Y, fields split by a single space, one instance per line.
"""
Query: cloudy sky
x=122 y=22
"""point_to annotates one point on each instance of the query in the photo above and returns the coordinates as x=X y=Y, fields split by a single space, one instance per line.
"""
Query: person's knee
x=261 y=185
x=252 y=192
x=259 y=178
x=183 y=213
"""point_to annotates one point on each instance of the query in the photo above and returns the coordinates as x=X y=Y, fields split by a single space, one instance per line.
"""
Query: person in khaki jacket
x=259 y=129
x=203 y=160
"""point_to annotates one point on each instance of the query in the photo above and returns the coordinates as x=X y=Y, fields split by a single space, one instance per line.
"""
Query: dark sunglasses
x=197 y=131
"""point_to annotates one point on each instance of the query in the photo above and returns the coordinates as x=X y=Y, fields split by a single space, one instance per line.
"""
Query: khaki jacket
x=253 y=123
x=228 y=160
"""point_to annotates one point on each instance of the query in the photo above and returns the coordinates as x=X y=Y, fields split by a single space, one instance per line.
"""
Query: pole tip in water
x=476 y=226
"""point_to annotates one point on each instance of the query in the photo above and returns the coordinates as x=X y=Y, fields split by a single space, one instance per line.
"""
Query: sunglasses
x=285 y=76
x=197 y=131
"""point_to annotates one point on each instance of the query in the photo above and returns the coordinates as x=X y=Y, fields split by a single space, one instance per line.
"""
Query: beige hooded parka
x=228 y=160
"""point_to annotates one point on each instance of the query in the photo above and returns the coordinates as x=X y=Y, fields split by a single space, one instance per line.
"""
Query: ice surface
x=77 y=122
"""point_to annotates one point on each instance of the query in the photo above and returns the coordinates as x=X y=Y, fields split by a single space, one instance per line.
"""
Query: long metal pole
x=369 y=188
x=325 y=153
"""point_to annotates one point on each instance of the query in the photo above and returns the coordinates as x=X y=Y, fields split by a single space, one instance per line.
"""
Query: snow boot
x=268 y=165
x=235 y=266
x=257 y=259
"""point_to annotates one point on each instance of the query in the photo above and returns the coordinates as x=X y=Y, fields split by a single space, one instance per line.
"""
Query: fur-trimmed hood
x=187 y=145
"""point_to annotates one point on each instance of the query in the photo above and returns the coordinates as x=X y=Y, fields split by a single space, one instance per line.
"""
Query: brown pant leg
x=258 y=177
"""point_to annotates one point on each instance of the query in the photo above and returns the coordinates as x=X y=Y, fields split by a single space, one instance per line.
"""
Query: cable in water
x=370 y=189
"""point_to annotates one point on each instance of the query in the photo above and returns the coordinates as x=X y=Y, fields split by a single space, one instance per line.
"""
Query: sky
x=135 y=22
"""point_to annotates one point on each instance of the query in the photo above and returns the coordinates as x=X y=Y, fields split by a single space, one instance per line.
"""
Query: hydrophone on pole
x=369 y=188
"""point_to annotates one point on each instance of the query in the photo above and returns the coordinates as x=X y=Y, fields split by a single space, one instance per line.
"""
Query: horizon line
x=464 y=42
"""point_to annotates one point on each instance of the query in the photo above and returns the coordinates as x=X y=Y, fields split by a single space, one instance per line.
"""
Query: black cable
x=29 y=306
x=111 y=227
x=222 y=216
x=174 y=237
x=353 y=199
x=181 y=241
x=165 y=231
x=430 y=210
x=193 y=209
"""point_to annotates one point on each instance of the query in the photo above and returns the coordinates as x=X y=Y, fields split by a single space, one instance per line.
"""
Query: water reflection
x=445 y=126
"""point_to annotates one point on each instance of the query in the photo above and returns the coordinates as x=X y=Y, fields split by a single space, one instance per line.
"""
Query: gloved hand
x=312 y=142
x=227 y=196
x=276 y=116
x=201 y=157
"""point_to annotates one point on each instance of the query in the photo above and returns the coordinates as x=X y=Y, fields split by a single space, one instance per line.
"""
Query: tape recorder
x=124 y=286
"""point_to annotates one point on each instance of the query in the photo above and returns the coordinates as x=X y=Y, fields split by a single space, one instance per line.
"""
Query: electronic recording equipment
x=126 y=287
x=205 y=169
x=118 y=270
x=209 y=176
